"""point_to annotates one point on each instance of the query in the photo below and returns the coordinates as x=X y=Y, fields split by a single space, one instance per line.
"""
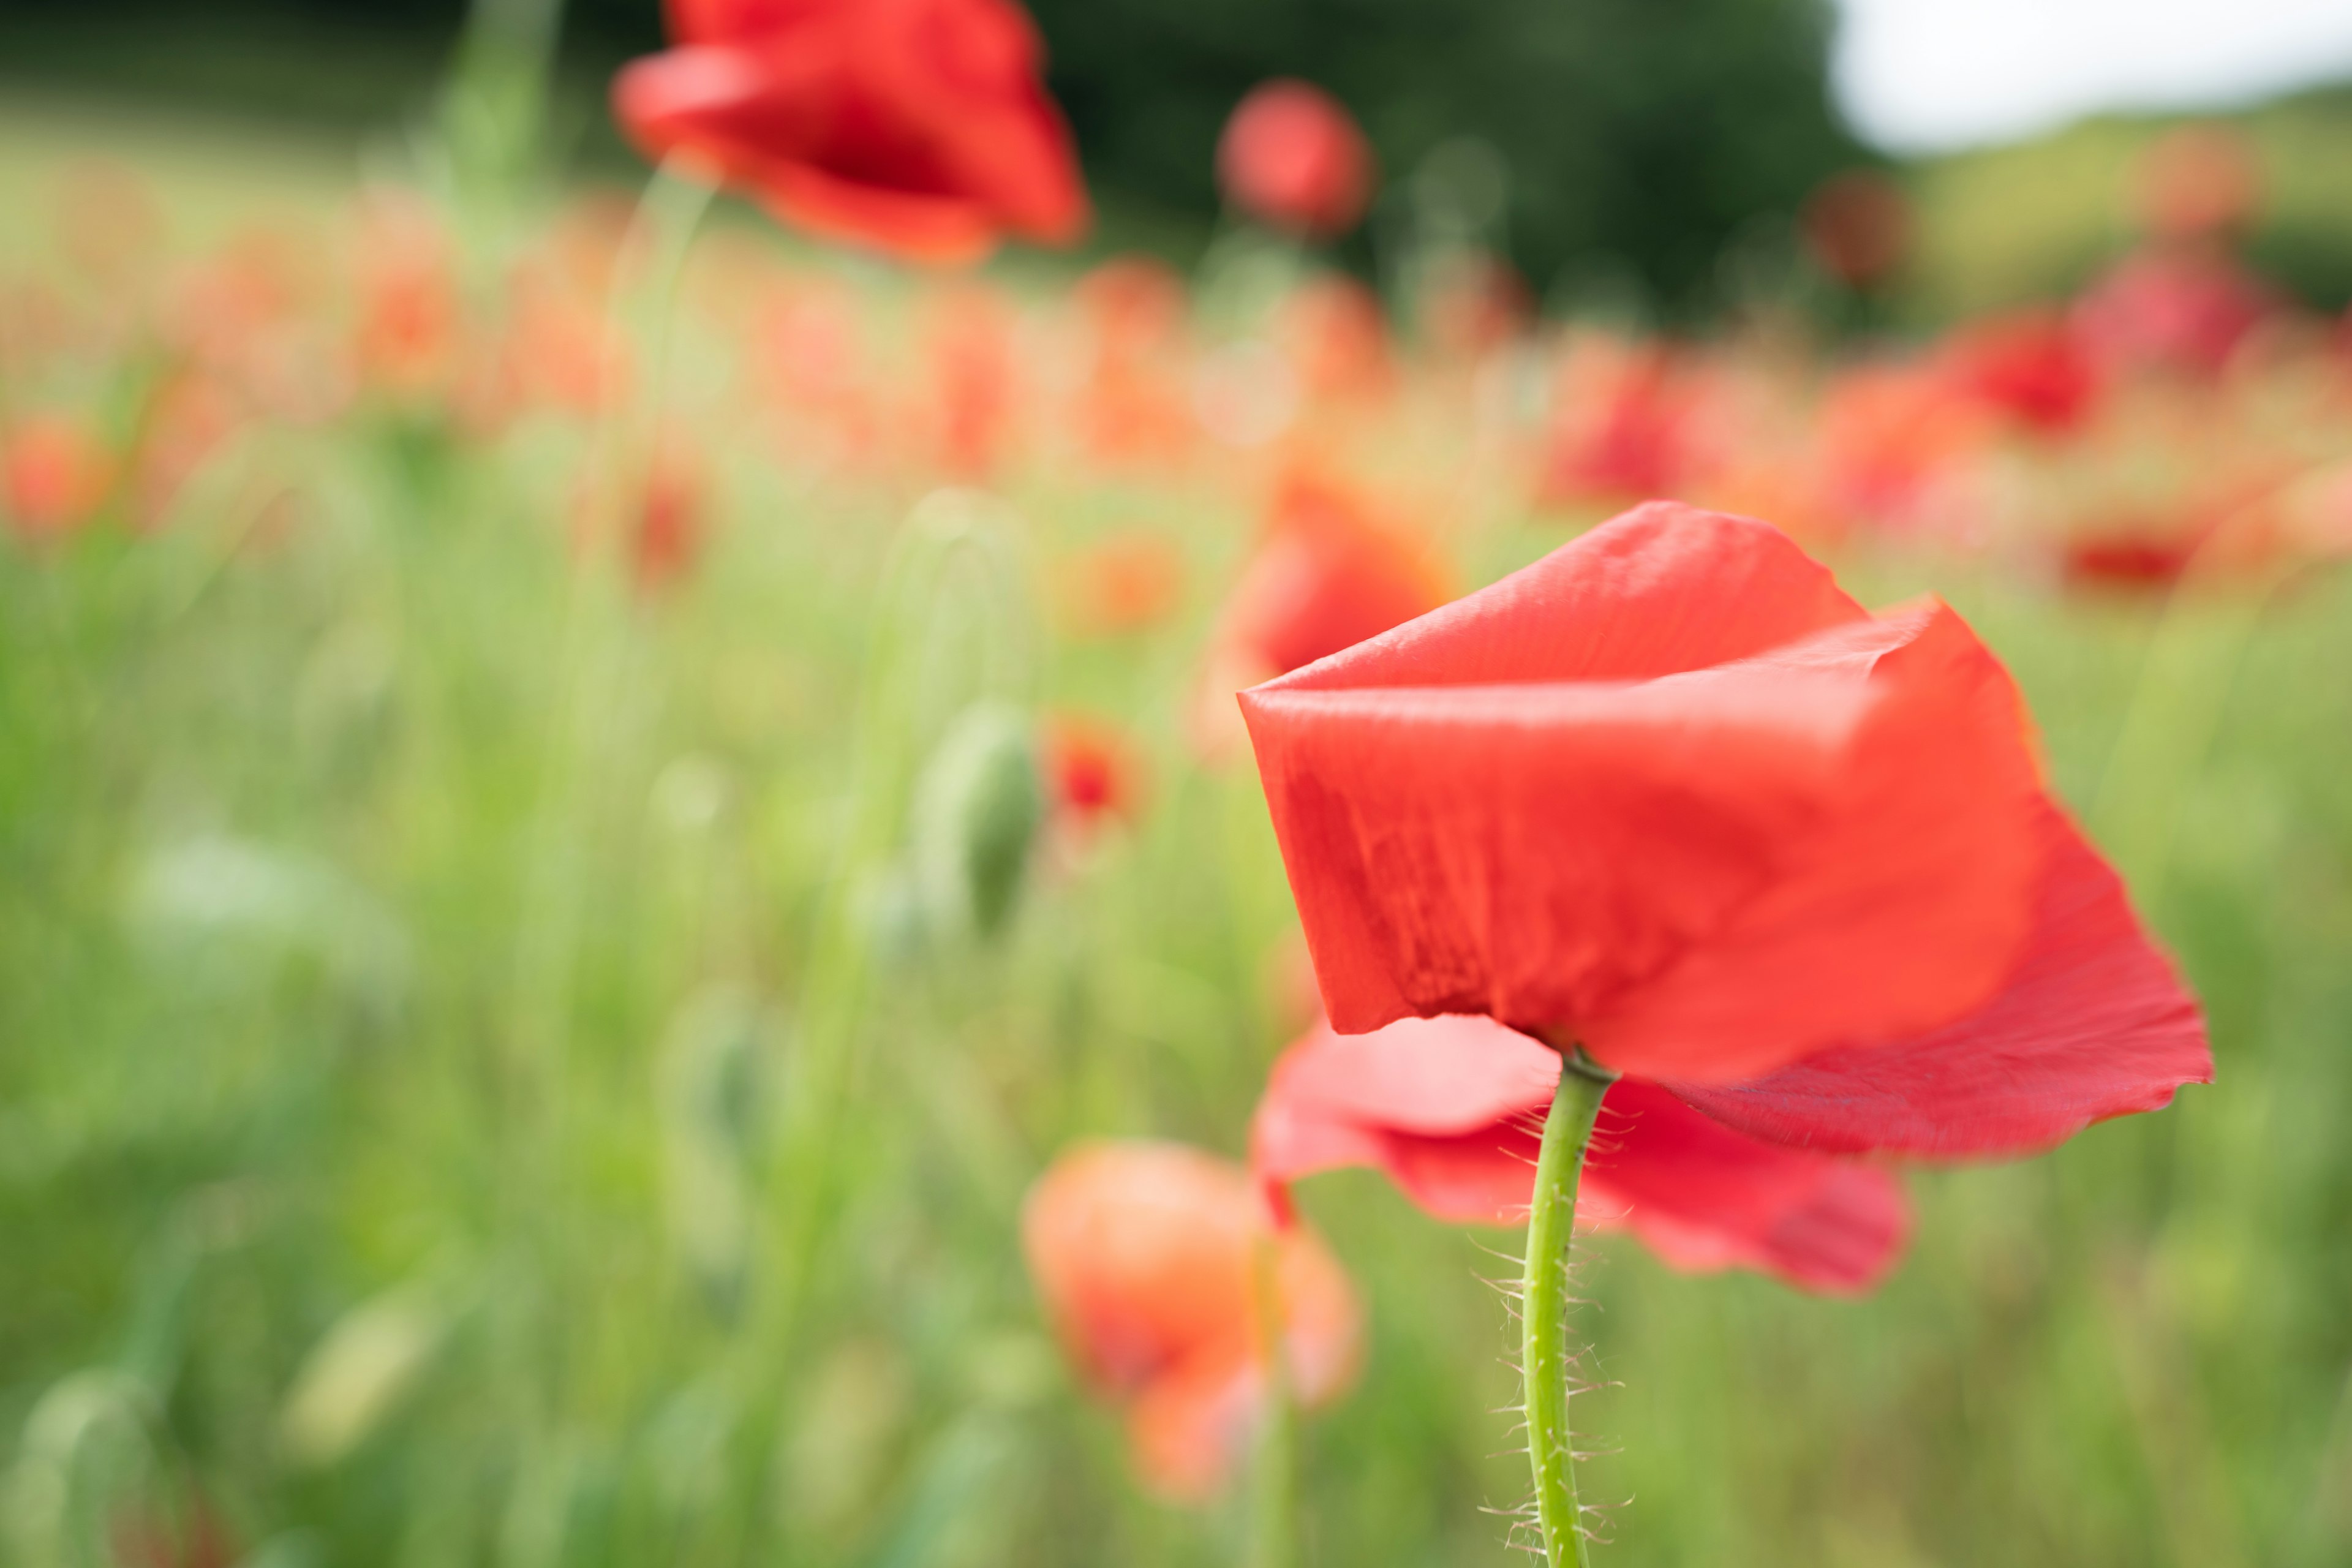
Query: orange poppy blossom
x=1150 y=1258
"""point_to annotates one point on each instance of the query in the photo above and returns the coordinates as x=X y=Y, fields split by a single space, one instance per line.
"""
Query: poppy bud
x=977 y=807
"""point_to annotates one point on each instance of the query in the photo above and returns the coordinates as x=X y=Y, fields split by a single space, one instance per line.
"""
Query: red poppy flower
x=1451 y=1109
x=1091 y=770
x=916 y=126
x=1858 y=226
x=54 y=475
x=1669 y=793
x=1292 y=156
x=1147 y=1258
x=1329 y=574
x=2029 y=365
x=2177 y=309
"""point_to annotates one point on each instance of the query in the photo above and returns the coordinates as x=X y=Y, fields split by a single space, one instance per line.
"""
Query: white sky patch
x=1919 y=75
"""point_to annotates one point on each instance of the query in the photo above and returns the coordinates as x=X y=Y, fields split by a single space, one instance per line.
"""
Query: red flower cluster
x=1792 y=867
x=916 y=126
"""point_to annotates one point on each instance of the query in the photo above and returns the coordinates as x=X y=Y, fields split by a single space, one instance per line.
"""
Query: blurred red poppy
x=1148 y=1256
x=916 y=126
x=1331 y=573
x=1451 y=1109
x=1671 y=795
x=1858 y=226
x=54 y=475
x=1091 y=770
x=2028 y=365
x=1126 y=582
x=1292 y=156
x=2182 y=309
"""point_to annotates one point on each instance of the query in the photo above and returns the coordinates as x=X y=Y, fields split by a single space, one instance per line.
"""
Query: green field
x=463 y=1099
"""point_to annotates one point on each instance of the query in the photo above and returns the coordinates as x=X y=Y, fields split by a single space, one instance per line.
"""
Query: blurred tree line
x=1638 y=134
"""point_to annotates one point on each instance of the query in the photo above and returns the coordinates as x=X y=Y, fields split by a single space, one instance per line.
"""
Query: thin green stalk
x=1546 y=1355
x=1274 y=1523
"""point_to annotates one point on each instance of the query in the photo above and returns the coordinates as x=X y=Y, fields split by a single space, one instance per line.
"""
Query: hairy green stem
x=1546 y=1356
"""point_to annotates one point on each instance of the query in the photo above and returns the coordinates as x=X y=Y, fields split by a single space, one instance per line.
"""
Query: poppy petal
x=1705 y=875
x=1663 y=589
x=2092 y=1024
x=1700 y=1194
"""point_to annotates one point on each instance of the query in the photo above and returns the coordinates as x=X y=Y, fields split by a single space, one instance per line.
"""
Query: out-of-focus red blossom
x=188 y=417
x=1622 y=424
x=1127 y=583
x=410 y=330
x=1149 y=1258
x=2128 y=559
x=1330 y=573
x=1131 y=403
x=1886 y=435
x=1292 y=156
x=1858 y=226
x=1092 y=772
x=2029 y=365
x=919 y=127
x=972 y=389
x=55 y=474
x=670 y=525
x=2198 y=181
x=1337 y=341
x=2182 y=309
x=1669 y=793
x=806 y=355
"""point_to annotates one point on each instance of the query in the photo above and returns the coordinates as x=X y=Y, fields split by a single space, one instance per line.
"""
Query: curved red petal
x=1904 y=907
x=1705 y=875
x=1663 y=589
x=2094 y=1023
x=1700 y=1194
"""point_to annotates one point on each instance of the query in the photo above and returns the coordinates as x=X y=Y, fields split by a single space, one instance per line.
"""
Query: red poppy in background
x=1091 y=770
x=54 y=475
x=1858 y=226
x=1329 y=574
x=2028 y=365
x=1451 y=1109
x=1292 y=156
x=916 y=126
x=2177 y=309
x=1670 y=794
x=1622 y=424
x=1148 y=1256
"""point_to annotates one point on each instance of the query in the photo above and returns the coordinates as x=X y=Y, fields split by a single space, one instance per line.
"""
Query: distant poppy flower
x=1148 y=1258
x=2128 y=560
x=1858 y=226
x=2198 y=181
x=1331 y=573
x=1092 y=775
x=1888 y=438
x=919 y=127
x=670 y=519
x=1450 y=1109
x=54 y=475
x=1671 y=796
x=2179 y=309
x=1292 y=156
x=1128 y=582
x=1623 y=426
x=972 y=386
x=2028 y=365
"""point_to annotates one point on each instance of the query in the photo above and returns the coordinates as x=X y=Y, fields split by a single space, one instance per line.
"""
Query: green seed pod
x=977 y=807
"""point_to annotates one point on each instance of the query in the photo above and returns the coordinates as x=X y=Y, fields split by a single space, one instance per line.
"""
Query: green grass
x=275 y=1076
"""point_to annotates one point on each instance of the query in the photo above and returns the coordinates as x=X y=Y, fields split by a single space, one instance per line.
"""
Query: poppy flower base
x=1546 y=1362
